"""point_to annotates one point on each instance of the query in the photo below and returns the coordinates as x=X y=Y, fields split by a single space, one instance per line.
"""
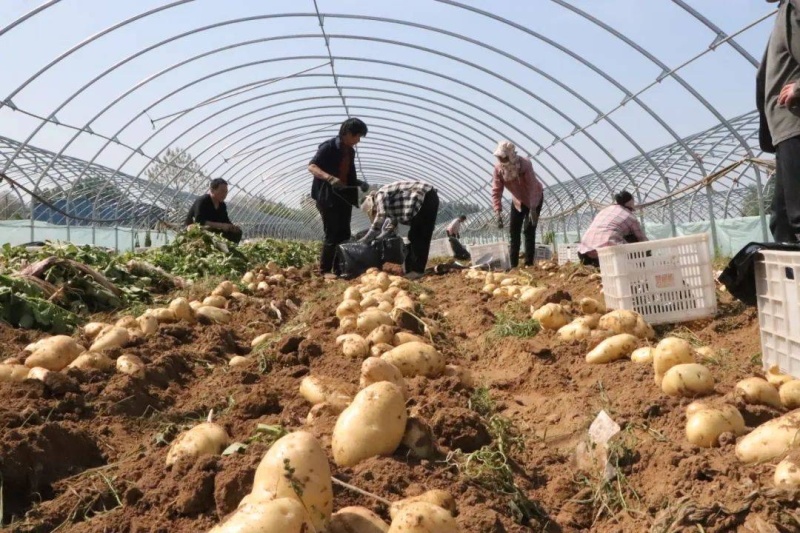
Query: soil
x=86 y=453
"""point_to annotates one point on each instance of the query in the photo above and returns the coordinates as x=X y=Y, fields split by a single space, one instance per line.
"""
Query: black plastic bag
x=392 y=250
x=355 y=258
x=739 y=277
x=459 y=252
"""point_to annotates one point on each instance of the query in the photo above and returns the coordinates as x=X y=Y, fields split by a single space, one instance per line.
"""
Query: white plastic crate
x=496 y=255
x=567 y=253
x=666 y=281
x=778 y=289
x=440 y=248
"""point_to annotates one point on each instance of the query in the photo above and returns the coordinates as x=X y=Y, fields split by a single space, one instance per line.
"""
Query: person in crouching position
x=210 y=212
x=616 y=224
x=413 y=203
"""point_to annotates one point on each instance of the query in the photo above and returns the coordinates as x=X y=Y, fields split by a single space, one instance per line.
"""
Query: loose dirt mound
x=92 y=458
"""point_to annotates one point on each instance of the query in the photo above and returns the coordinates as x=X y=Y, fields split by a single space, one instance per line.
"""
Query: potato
x=182 y=309
x=277 y=279
x=776 y=378
x=265 y=514
x=597 y=336
x=530 y=294
x=348 y=308
x=758 y=391
x=416 y=359
x=613 y=348
x=787 y=474
x=379 y=349
x=207 y=438
x=642 y=355
x=590 y=306
x=705 y=425
x=770 y=440
x=374 y=424
x=131 y=365
x=489 y=288
x=224 y=289
x=262 y=286
x=318 y=389
x=386 y=307
x=669 y=352
x=375 y=370
x=551 y=316
x=575 y=331
x=93 y=360
x=357 y=520
x=404 y=337
x=643 y=330
x=464 y=375
x=789 y=394
x=12 y=361
x=115 y=337
x=688 y=379
x=427 y=299
x=148 y=324
x=590 y=321
x=93 y=329
x=352 y=293
x=195 y=305
x=298 y=459
x=38 y=373
x=261 y=339
x=215 y=301
x=13 y=372
x=163 y=315
x=238 y=360
x=54 y=353
x=404 y=302
x=619 y=321
x=371 y=319
x=381 y=335
x=421 y=517
x=249 y=277
x=347 y=324
x=213 y=315
x=439 y=498
x=368 y=302
x=353 y=345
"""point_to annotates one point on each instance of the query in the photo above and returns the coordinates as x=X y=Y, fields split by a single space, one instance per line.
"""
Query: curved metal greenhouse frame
x=90 y=122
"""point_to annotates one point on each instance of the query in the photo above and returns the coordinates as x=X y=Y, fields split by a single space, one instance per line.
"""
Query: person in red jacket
x=516 y=174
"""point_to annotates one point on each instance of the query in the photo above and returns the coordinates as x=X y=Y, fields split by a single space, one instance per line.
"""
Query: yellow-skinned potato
x=14 y=373
x=375 y=370
x=352 y=293
x=383 y=334
x=705 y=351
x=368 y=302
x=54 y=353
x=758 y=391
x=688 y=380
x=163 y=315
x=507 y=282
x=213 y=315
x=404 y=337
x=371 y=319
x=238 y=360
x=787 y=474
x=613 y=348
x=643 y=330
x=318 y=389
x=373 y=425
x=195 y=305
x=642 y=355
x=530 y=294
x=590 y=321
x=386 y=307
x=347 y=324
x=266 y=515
x=353 y=345
x=131 y=365
x=404 y=302
x=590 y=306
x=619 y=321
x=357 y=520
x=770 y=440
x=93 y=329
x=207 y=438
x=302 y=453
x=182 y=309
x=215 y=301
x=224 y=289
x=39 y=373
x=575 y=331
x=93 y=360
x=551 y=316
x=423 y=517
x=416 y=359
x=705 y=425
x=379 y=349
x=248 y=277
x=348 y=308
x=789 y=394
x=489 y=288
x=439 y=498
x=148 y=324
x=669 y=352
x=463 y=374
x=261 y=339
x=775 y=377
x=126 y=322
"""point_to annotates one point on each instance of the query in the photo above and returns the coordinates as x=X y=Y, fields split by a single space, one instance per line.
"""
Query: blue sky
x=407 y=119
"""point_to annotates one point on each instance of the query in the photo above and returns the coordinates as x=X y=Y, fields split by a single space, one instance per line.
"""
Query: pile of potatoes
x=260 y=280
x=506 y=285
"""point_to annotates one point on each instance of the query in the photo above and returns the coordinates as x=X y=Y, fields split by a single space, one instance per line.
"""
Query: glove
x=499 y=221
x=336 y=183
x=364 y=186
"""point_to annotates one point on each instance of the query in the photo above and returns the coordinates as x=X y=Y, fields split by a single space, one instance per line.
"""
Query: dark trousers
x=520 y=223
x=785 y=220
x=420 y=233
x=589 y=260
x=336 y=225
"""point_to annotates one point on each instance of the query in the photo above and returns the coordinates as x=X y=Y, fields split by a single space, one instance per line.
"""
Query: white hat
x=505 y=148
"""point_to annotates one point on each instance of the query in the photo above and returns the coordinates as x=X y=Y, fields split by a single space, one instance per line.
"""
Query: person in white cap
x=516 y=174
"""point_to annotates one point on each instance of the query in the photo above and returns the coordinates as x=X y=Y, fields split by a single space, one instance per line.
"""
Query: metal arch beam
x=26 y=16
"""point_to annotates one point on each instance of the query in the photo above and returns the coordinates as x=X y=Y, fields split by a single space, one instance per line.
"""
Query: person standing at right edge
x=334 y=188
x=778 y=102
x=516 y=174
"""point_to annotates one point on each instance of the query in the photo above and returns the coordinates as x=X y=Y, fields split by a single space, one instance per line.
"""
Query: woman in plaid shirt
x=616 y=224
x=413 y=203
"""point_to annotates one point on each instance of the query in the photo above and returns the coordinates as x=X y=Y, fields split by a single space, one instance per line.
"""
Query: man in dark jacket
x=211 y=212
x=335 y=187
x=778 y=102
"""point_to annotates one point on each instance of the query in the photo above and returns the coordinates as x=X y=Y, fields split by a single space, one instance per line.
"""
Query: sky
x=436 y=106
